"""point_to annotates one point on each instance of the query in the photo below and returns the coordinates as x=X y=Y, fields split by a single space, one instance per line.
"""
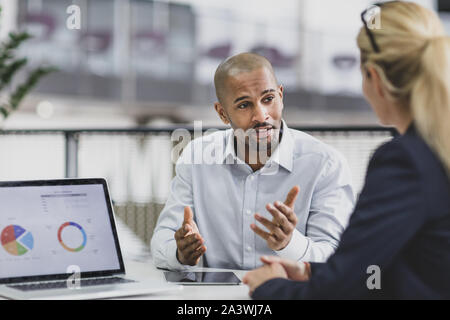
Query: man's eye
x=242 y=105
x=268 y=99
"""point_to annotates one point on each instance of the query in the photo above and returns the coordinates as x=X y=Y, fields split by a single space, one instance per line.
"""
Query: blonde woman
x=397 y=244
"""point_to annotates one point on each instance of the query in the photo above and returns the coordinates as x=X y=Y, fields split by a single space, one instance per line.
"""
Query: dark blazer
x=401 y=224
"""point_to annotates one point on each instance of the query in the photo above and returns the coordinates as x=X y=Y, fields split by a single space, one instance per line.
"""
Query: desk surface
x=149 y=271
x=146 y=270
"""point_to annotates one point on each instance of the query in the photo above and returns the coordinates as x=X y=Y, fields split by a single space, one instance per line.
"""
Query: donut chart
x=73 y=225
x=16 y=240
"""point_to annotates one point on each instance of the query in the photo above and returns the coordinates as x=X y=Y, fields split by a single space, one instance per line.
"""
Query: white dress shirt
x=224 y=194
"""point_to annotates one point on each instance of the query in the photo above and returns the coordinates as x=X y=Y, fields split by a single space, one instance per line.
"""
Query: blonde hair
x=414 y=66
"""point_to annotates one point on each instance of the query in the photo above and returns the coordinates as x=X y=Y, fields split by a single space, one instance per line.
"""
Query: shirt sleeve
x=332 y=203
x=296 y=248
x=163 y=244
x=388 y=214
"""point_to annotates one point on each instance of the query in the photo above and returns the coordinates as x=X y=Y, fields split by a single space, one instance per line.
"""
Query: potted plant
x=10 y=65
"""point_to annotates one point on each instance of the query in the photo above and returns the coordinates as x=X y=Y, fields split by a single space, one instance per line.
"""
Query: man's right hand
x=189 y=241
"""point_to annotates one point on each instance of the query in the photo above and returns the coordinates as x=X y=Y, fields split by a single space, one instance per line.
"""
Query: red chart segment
x=8 y=235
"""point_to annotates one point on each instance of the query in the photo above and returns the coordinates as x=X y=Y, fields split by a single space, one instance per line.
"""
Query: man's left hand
x=283 y=223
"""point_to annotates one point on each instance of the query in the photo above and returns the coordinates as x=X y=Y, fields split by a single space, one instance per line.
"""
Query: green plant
x=10 y=65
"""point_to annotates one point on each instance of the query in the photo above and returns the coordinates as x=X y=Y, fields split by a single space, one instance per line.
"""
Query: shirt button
x=251 y=178
x=249 y=249
x=249 y=212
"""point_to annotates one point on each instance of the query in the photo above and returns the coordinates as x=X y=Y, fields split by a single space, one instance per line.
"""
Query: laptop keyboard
x=63 y=284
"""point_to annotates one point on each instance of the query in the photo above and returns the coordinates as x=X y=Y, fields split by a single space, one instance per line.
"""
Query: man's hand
x=189 y=241
x=297 y=271
x=257 y=277
x=283 y=223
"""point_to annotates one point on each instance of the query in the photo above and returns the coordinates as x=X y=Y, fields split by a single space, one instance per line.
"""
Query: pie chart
x=16 y=240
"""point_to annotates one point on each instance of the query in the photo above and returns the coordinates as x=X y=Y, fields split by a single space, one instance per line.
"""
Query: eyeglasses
x=369 y=33
x=365 y=13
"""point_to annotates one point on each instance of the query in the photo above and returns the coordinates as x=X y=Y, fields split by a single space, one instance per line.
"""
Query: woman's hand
x=257 y=277
x=275 y=267
x=297 y=271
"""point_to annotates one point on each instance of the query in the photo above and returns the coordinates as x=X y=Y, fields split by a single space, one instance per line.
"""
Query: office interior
x=136 y=70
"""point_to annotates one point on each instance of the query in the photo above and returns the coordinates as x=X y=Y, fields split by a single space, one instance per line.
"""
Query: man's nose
x=260 y=114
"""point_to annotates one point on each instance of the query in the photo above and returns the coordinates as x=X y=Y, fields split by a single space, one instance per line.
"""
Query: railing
x=137 y=162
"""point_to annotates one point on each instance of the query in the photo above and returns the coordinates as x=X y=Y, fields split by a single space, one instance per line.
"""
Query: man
x=225 y=215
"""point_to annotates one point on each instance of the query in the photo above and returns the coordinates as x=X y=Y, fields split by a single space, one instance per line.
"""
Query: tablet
x=202 y=278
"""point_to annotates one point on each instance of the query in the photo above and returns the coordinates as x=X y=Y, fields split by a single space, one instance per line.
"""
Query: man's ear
x=221 y=112
x=281 y=91
x=374 y=77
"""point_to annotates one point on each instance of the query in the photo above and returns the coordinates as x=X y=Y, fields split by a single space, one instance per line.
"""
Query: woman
x=397 y=244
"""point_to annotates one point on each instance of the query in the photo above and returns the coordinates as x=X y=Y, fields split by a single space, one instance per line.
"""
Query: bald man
x=270 y=189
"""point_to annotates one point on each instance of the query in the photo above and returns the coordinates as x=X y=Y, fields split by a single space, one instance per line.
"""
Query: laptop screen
x=54 y=229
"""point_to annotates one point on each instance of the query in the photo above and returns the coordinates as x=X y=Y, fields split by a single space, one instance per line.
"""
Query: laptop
x=58 y=240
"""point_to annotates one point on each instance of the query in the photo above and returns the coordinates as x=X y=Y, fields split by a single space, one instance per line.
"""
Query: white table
x=147 y=270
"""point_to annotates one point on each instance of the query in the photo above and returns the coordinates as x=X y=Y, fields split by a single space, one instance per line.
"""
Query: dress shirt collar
x=283 y=154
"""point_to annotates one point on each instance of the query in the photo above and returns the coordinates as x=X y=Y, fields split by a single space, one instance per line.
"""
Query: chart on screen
x=74 y=226
x=16 y=240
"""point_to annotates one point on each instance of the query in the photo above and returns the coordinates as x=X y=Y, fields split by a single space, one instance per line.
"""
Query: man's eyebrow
x=267 y=91
x=246 y=97
x=241 y=98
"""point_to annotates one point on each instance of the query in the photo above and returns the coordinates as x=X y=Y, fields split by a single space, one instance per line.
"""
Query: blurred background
x=137 y=69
